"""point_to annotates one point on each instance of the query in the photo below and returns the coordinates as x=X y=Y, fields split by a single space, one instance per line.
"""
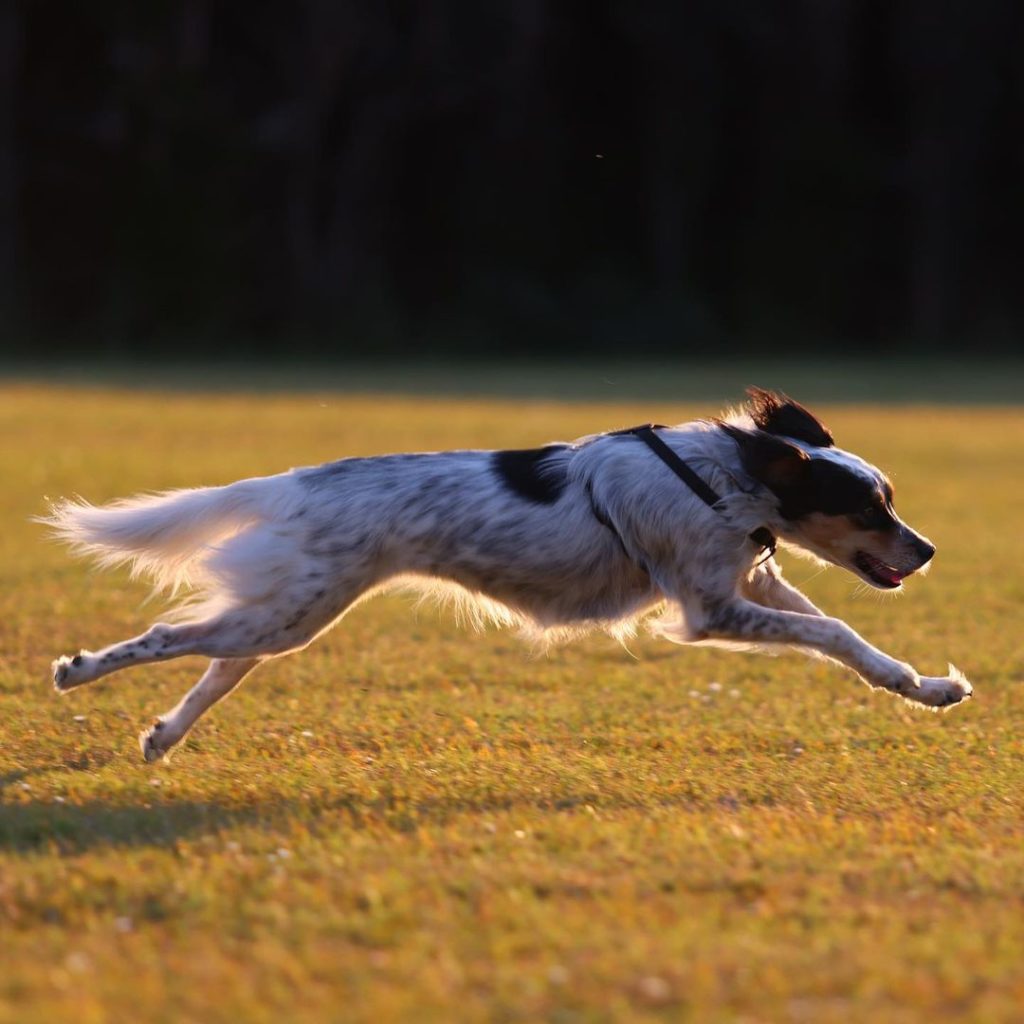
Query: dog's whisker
x=813 y=576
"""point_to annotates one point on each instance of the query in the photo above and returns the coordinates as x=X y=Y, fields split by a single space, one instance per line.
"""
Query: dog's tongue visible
x=892 y=575
x=877 y=568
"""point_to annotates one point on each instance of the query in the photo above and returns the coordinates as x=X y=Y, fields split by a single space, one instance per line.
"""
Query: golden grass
x=412 y=823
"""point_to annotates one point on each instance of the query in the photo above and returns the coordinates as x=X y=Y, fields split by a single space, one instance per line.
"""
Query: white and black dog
x=556 y=540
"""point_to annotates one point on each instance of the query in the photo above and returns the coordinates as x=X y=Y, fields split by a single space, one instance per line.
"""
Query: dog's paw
x=942 y=691
x=154 y=742
x=70 y=672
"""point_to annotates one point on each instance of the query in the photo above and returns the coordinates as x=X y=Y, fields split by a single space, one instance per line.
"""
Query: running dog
x=557 y=540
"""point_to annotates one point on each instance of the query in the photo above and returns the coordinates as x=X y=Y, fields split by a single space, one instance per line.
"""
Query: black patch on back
x=778 y=414
x=530 y=474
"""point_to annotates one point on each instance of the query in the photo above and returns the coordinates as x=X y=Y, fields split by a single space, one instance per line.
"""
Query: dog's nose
x=924 y=549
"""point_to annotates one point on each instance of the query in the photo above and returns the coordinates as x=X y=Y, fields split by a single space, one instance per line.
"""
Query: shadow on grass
x=34 y=826
x=75 y=828
x=37 y=826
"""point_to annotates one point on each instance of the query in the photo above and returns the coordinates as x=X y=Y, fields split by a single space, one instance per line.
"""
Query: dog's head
x=829 y=502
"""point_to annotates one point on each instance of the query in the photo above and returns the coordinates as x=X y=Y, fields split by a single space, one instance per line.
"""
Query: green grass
x=899 y=378
x=410 y=822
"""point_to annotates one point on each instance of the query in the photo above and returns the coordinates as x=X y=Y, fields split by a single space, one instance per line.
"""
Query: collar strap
x=762 y=536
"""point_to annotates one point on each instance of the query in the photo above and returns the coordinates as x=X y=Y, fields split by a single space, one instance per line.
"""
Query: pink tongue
x=892 y=575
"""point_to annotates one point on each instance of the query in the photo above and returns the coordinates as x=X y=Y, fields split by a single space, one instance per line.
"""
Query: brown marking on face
x=838 y=539
x=833 y=536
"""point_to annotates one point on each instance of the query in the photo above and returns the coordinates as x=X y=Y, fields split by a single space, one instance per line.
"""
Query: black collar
x=762 y=536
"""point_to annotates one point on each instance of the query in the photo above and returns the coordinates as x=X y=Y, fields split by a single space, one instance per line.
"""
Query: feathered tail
x=166 y=536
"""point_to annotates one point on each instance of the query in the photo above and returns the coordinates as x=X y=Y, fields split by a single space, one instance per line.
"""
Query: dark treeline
x=453 y=174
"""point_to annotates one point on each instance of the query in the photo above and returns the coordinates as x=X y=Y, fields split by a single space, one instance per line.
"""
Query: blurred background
x=445 y=178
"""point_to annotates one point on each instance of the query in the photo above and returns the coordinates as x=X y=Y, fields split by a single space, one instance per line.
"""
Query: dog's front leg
x=744 y=621
x=766 y=586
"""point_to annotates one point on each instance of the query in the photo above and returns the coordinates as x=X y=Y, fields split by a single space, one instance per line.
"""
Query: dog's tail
x=167 y=536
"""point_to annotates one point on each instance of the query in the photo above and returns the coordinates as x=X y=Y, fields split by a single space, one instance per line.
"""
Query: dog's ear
x=776 y=413
x=770 y=460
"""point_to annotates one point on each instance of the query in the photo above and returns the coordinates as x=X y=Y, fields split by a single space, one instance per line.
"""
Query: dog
x=558 y=540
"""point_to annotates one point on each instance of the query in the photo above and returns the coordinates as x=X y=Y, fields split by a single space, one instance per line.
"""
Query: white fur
x=270 y=563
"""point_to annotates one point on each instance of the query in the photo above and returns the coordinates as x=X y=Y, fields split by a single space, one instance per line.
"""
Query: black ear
x=776 y=413
x=779 y=465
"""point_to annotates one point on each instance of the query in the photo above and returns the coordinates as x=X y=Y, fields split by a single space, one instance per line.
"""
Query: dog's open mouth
x=877 y=571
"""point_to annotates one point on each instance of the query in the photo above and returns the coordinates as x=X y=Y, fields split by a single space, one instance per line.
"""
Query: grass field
x=410 y=822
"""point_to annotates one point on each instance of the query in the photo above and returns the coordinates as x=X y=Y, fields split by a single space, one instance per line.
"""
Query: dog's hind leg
x=158 y=643
x=222 y=676
x=248 y=631
x=235 y=639
x=237 y=633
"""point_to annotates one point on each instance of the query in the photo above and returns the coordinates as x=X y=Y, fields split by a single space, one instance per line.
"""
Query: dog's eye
x=872 y=518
